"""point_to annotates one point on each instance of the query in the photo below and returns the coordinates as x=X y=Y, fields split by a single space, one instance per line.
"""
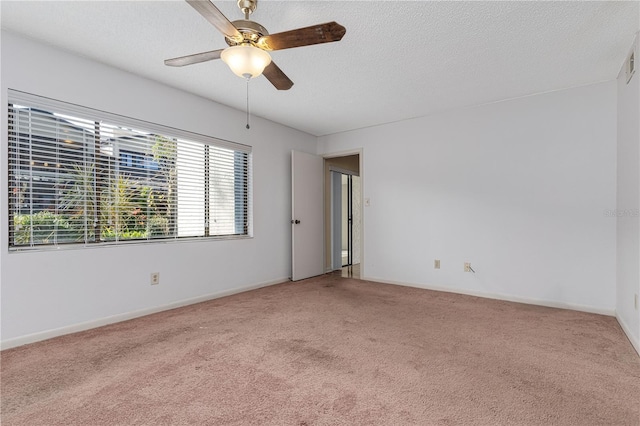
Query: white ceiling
x=398 y=59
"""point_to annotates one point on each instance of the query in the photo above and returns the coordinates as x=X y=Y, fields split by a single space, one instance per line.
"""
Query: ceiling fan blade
x=275 y=75
x=216 y=18
x=193 y=59
x=316 y=34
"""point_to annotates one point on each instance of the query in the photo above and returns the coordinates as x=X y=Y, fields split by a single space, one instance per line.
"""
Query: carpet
x=331 y=351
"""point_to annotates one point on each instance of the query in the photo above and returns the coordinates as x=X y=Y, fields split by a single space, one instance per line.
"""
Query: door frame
x=360 y=153
x=336 y=210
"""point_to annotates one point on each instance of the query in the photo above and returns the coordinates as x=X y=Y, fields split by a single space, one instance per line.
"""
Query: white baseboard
x=48 y=334
x=550 y=304
x=508 y=298
x=634 y=340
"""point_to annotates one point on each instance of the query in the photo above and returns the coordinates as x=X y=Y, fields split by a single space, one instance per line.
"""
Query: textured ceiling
x=397 y=60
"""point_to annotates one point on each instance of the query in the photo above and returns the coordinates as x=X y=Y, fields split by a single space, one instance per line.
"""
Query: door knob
x=296 y=221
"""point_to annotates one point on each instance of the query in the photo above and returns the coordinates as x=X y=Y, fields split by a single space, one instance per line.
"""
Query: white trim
x=44 y=335
x=343 y=171
x=634 y=341
x=498 y=296
x=346 y=153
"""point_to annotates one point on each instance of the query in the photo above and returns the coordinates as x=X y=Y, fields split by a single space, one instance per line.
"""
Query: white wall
x=518 y=188
x=42 y=291
x=628 y=203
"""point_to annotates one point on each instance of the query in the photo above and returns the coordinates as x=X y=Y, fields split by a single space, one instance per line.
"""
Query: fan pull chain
x=248 y=78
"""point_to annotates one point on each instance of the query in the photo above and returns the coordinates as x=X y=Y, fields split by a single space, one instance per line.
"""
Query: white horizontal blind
x=78 y=175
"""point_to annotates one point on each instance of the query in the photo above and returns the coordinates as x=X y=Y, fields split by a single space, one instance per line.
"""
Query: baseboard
x=627 y=330
x=508 y=298
x=49 y=334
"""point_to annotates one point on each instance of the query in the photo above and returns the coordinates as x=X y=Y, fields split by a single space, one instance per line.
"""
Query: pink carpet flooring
x=332 y=351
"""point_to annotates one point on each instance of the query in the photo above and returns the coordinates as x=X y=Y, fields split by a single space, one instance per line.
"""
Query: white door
x=307 y=216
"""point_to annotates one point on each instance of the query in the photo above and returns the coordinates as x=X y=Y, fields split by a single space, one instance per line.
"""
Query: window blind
x=83 y=176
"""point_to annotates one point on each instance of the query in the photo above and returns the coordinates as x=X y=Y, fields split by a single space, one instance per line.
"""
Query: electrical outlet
x=467 y=266
x=155 y=278
x=635 y=301
x=436 y=264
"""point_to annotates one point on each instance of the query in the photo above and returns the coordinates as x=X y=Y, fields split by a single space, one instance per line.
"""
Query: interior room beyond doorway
x=343 y=215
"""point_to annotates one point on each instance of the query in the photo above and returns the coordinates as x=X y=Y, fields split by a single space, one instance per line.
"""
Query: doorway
x=343 y=215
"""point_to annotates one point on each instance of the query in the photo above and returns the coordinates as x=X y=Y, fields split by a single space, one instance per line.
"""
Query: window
x=81 y=176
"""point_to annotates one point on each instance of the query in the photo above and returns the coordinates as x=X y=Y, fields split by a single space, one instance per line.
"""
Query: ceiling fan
x=249 y=43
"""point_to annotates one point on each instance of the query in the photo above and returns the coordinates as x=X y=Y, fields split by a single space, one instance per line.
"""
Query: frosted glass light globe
x=245 y=60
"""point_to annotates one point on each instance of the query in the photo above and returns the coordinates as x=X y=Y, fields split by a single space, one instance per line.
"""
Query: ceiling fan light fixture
x=245 y=60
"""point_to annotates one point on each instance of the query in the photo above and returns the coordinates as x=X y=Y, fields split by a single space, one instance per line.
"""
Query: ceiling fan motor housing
x=251 y=32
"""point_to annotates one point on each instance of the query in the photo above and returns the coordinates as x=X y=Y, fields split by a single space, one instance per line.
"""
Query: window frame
x=54 y=106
